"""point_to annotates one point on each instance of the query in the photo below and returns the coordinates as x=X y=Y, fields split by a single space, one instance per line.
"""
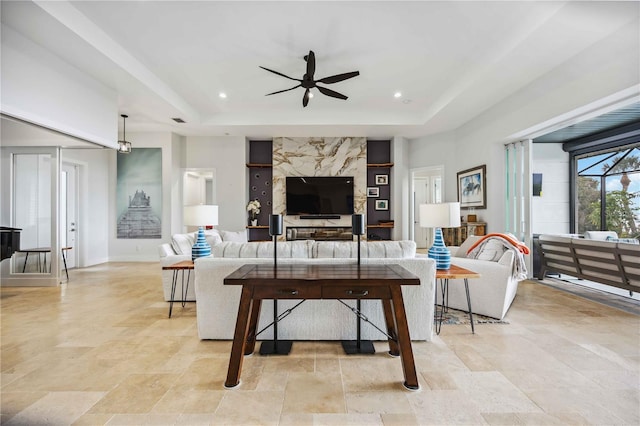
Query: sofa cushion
x=182 y=243
x=237 y=237
x=368 y=249
x=263 y=249
x=623 y=240
x=491 y=250
x=211 y=235
x=466 y=245
x=600 y=235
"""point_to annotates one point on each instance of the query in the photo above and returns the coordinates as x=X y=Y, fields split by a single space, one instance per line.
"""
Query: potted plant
x=253 y=208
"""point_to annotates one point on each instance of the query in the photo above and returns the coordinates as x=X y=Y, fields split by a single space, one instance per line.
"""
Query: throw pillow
x=492 y=251
x=466 y=245
x=623 y=240
x=237 y=237
x=182 y=243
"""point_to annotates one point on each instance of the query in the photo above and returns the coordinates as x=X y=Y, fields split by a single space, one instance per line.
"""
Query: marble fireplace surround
x=319 y=156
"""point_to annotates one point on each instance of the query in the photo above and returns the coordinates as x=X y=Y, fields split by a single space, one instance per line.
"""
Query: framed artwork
x=382 y=179
x=139 y=194
x=472 y=187
x=382 y=205
x=373 y=191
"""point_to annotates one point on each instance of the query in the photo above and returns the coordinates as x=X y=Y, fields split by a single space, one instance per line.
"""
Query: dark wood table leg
x=404 y=339
x=239 y=338
x=174 y=283
x=391 y=327
x=466 y=289
x=253 y=327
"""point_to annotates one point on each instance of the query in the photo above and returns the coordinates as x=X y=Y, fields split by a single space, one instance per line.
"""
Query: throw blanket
x=519 y=271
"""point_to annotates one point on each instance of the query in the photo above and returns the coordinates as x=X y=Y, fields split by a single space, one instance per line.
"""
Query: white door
x=69 y=214
x=420 y=196
x=427 y=188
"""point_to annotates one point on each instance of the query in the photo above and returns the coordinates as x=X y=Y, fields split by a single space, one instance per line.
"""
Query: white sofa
x=217 y=304
x=179 y=249
x=492 y=293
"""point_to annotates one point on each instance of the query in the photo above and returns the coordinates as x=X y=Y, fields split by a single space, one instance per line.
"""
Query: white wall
x=40 y=88
x=228 y=156
x=550 y=211
x=608 y=67
x=94 y=212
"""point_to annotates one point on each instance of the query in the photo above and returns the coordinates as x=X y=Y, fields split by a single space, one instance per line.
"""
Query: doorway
x=427 y=186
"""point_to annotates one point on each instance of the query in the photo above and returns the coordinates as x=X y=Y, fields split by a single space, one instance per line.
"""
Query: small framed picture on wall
x=382 y=205
x=373 y=191
x=382 y=179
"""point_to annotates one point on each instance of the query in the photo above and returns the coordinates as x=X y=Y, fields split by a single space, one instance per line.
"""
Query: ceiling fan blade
x=331 y=93
x=280 y=74
x=311 y=64
x=305 y=98
x=285 y=90
x=339 y=77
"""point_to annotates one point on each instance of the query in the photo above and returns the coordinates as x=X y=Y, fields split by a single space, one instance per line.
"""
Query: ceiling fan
x=309 y=83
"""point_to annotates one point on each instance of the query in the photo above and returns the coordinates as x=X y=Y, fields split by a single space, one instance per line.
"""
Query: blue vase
x=439 y=252
x=201 y=248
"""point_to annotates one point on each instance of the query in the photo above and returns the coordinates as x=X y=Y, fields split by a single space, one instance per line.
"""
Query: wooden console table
x=321 y=281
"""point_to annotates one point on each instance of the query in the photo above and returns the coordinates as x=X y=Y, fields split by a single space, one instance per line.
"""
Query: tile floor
x=101 y=350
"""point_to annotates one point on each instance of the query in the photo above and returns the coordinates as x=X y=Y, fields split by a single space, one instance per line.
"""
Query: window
x=608 y=191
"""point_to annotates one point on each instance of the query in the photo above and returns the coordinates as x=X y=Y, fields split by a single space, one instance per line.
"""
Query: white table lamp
x=200 y=216
x=438 y=216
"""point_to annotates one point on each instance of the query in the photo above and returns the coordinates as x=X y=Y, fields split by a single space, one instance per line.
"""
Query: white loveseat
x=217 y=304
x=492 y=293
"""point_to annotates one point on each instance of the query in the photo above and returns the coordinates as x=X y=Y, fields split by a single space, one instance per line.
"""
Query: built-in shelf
x=381 y=225
x=258 y=227
x=260 y=165
x=380 y=165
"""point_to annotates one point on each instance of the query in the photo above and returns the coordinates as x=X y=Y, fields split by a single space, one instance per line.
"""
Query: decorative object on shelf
x=275 y=346
x=358 y=346
x=382 y=205
x=438 y=216
x=472 y=187
x=124 y=147
x=373 y=191
x=200 y=215
x=253 y=208
x=382 y=179
x=309 y=83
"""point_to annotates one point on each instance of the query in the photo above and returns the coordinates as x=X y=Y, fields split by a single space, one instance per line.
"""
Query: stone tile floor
x=101 y=350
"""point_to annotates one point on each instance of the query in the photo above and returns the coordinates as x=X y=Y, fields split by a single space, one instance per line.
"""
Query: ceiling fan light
x=310 y=95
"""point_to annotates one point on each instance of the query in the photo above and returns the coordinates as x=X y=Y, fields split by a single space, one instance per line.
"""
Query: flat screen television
x=319 y=195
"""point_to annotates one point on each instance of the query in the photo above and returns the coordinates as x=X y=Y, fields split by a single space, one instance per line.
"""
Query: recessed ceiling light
x=222 y=95
x=397 y=95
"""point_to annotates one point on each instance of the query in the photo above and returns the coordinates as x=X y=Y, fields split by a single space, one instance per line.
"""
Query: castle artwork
x=139 y=194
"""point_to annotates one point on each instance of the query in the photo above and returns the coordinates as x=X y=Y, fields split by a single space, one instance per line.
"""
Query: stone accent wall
x=319 y=156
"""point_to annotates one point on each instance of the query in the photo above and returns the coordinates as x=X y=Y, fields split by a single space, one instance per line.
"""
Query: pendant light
x=124 y=147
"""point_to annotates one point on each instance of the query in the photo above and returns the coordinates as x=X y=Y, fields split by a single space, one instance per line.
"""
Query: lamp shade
x=442 y=215
x=201 y=215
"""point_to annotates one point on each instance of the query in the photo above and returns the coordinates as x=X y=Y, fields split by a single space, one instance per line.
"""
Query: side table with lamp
x=198 y=215
x=438 y=216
